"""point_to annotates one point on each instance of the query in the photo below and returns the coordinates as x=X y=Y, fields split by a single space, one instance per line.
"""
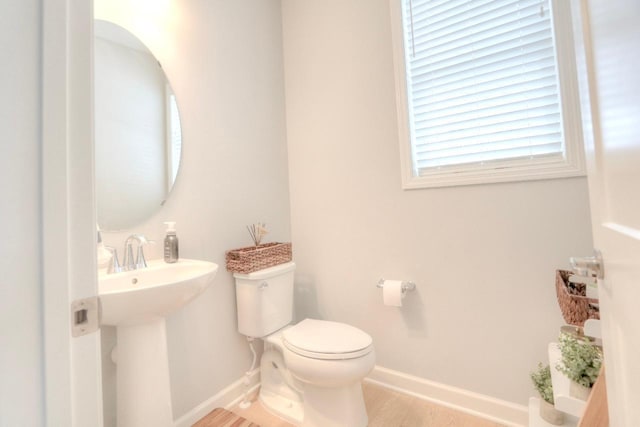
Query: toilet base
x=334 y=407
x=277 y=394
x=282 y=407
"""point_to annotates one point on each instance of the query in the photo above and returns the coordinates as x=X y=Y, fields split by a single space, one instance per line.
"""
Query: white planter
x=579 y=391
x=550 y=414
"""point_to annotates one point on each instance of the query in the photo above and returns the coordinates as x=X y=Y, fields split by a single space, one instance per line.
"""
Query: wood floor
x=222 y=418
x=386 y=408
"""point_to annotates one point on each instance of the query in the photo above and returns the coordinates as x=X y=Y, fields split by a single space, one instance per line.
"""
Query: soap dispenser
x=171 y=243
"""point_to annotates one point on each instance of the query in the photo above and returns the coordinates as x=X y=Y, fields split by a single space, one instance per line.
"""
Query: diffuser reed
x=257 y=232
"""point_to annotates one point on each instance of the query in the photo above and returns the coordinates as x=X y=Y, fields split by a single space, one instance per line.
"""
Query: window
x=174 y=132
x=482 y=96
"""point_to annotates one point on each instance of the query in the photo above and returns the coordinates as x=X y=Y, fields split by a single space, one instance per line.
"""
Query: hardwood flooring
x=222 y=418
x=386 y=408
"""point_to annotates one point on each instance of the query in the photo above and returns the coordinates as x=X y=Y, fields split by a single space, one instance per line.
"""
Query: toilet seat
x=325 y=340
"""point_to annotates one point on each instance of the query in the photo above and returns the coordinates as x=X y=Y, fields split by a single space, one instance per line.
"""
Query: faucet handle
x=140 y=261
x=114 y=265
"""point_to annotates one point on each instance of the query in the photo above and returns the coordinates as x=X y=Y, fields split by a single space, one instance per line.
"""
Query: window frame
x=571 y=165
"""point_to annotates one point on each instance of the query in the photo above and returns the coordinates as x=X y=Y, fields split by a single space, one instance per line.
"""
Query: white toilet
x=311 y=372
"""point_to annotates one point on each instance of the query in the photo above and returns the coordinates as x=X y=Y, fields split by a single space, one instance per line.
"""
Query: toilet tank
x=264 y=300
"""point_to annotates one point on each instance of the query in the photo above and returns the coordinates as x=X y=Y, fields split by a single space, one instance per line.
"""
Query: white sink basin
x=137 y=302
x=142 y=295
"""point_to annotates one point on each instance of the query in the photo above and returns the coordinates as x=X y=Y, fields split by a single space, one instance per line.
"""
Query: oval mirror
x=138 y=138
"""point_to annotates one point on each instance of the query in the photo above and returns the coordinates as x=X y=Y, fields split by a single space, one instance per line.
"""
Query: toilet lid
x=322 y=339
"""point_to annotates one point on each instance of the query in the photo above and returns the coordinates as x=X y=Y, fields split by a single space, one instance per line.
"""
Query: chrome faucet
x=127 y=259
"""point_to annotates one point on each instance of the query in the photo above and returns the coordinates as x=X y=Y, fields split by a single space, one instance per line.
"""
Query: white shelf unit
x=536 y=421
x=563 y=401
x=572 y=407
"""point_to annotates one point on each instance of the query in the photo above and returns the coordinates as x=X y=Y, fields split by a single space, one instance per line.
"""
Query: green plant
x=542 y=382
x=581 y=360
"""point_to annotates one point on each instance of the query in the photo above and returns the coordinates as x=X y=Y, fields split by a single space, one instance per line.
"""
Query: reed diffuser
x=257 y=232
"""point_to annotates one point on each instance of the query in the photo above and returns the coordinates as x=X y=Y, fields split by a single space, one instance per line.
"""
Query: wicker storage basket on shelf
x=254 y=258
x=575 y=306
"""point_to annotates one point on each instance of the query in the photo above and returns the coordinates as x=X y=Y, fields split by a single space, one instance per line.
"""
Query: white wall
x=21 y=349
x=224 y=62
x=483 y=257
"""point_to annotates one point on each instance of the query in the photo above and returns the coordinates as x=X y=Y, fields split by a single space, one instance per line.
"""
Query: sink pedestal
x=137 y=303
x=143 y=391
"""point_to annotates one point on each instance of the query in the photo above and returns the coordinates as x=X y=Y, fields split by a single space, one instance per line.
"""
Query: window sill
x=492 y=174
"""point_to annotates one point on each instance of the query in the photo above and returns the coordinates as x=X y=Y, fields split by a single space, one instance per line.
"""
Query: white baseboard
x=225 y=398
x=479 y=405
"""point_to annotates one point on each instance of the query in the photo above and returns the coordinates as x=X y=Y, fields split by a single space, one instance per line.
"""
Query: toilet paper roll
x=392 y=293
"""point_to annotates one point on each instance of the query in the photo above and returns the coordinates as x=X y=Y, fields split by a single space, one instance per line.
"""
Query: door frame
x=72 y=366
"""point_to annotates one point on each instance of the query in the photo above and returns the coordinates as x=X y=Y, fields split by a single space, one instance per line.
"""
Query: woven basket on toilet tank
x=254 y=258
x=575 y=306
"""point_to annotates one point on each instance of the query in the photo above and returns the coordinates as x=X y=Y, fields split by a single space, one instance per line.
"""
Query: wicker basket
x=254 y=258
x=576 y=307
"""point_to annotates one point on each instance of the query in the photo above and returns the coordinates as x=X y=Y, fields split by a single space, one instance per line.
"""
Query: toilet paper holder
x=405 y=286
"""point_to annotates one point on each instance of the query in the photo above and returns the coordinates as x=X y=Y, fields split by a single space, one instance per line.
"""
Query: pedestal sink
x=137 y=302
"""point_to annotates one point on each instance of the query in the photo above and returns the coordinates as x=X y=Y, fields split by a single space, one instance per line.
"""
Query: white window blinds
x=482 y=82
